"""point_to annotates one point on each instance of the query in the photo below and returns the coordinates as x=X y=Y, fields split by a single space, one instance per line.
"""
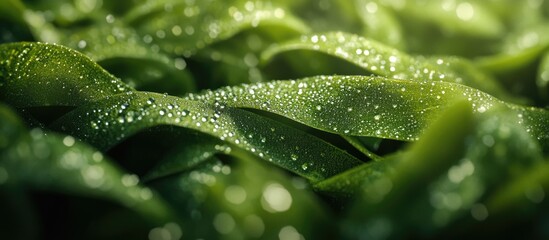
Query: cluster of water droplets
x=382 y=60
x=40 y=64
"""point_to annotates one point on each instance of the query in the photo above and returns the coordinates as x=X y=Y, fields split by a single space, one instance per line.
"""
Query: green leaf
x=120 y=50
x=14 y=27
x=12 y=10
x=125 y=114
x=386 y=61
x=542 y=80
x=205 y=22
x=383 y=195
x=367 y=106
x=425 y=193
x=105 y=123
x=348 y=183
x=37 y=74
x=59 y=163
x=522 y=195
x=380 y=23
x=189 y=152
x=464 y=17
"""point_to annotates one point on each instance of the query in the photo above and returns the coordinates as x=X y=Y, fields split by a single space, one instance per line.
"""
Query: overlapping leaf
x=477 y=166
x=367 y=106
x=204 y=22
x=52 y=162
x=386 y=61
x=454 y=184
x=37 y=74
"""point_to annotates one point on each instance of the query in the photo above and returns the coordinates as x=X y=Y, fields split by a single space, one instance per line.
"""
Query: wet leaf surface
x=269 y=119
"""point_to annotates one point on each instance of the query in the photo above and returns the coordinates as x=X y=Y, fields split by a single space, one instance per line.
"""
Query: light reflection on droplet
x=371 y=7
x=276 y=198
x=110 y=18
x=465 y=11
x=130 y=180
x=93 y=176
x=289 y=233
x=235 y=194
x=68 y=141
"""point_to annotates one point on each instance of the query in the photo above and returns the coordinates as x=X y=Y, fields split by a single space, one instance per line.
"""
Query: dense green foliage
x=263 y=119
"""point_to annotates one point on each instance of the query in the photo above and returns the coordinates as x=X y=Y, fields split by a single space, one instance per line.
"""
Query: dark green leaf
x=61 y=163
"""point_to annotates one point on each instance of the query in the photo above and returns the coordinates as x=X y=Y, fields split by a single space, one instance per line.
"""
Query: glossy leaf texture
x=105 y=123
x=262 y=119
x=367 y=106
x=382 y=60
x=29 y=69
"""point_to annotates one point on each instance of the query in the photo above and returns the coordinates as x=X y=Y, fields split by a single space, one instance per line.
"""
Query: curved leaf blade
x=389 y=62
x=205 y=22
x=367 y=106
x=105 y=123
x=60 y=163
x=38 y=74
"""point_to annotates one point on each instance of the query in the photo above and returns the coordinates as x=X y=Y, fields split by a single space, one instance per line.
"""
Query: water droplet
x=176 y=30
x=68 y=141
x=465 y=11
x=235 y=194
x=110 y=18
x=82 y=44
x=180 y=63
x=294 y=157
x=289 y=233
x=314 y=39
x=276 y=198
x=130 y=180
x=93 y=176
